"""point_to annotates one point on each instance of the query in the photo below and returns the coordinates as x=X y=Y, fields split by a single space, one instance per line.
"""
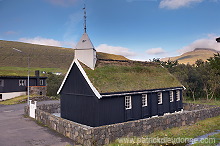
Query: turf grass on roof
x=119 y=76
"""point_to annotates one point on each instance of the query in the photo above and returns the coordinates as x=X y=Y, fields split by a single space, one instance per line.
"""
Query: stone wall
x=105 y=134
x=192 y=106
x=50 y=108
x=38 y=90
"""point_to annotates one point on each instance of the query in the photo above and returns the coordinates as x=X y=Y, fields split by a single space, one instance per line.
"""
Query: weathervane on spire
x=84 y=17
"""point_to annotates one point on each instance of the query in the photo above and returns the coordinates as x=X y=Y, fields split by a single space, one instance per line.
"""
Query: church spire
x=85 y=51
x=84 y=18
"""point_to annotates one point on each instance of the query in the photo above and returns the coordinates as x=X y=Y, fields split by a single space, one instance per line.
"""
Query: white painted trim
x=32 y=108
x=140 y=92
x=184 y=88
x=145 y=97
x=177 y=95
x=128 y=98
x=10 y=95
x=171 y=96
x=87 y=79
x=64 y=80
x=160 y=97
x=84 y=75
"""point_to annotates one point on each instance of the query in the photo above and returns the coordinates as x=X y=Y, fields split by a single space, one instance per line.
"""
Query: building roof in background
x=20 y=77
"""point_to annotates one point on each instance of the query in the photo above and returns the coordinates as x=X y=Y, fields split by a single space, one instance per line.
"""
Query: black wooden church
x=99 y=92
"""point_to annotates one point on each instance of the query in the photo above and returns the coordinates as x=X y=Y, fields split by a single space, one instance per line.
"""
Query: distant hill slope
x=192 y=56
x=41 y=56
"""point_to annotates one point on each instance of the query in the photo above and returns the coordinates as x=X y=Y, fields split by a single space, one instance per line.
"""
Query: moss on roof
x=121 y=76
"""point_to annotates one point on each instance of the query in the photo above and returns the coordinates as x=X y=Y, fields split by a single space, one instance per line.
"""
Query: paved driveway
x=16 y=130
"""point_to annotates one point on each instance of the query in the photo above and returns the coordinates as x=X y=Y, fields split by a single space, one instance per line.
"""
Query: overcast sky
x=137 y=29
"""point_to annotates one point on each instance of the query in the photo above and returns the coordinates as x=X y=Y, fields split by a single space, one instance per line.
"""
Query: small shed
x=98 y=92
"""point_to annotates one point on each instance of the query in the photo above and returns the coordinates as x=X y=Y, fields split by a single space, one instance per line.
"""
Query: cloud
x=48 y=42
x=115 y=50
x=175 y=4
x=155 y=51
x=41 y=41
x=63 y=3
x=10 y=32
x=209 y=42
x=141 y=0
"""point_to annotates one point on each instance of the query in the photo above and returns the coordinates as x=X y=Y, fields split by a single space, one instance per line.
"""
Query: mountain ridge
x=191 y=56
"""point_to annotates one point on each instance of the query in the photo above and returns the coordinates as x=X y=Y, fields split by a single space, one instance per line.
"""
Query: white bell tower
x=85 y=51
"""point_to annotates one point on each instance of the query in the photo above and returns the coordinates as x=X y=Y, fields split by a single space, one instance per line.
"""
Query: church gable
x=77 y=82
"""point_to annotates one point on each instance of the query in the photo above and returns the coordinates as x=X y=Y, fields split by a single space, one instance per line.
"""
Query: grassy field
x=41 y=56
x=191 y=131
x=23 y=71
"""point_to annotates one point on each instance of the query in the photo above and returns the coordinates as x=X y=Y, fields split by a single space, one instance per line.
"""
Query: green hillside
x=192 y=56
x=44 y=58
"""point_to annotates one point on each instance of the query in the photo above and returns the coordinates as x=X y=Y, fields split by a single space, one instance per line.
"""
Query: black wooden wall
x=94 y=112
x=78 y=102
x=112 y=109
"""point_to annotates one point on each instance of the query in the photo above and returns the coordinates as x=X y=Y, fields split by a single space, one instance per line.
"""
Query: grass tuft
x=15 y=100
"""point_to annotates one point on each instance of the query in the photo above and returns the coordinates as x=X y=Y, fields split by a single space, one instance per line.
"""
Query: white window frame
x=160 y=97
x=144 y=100
x=177 y=95
x=22 y=82
x=171 y=96
x=41 y=82
x=1 y=83
x=128 y=104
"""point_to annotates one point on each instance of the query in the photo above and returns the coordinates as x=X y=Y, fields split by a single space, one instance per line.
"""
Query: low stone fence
x=37 y=98
x=50 y=108
x=192 y=106
x=86 y=135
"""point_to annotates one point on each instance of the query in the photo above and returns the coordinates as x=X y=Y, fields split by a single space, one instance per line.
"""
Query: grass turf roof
x=121 y=76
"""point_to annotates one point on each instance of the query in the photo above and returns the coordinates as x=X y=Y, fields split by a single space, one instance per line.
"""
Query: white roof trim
x=140 y=92
x=84 y=75
x=64 y=80
x=184 y=88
